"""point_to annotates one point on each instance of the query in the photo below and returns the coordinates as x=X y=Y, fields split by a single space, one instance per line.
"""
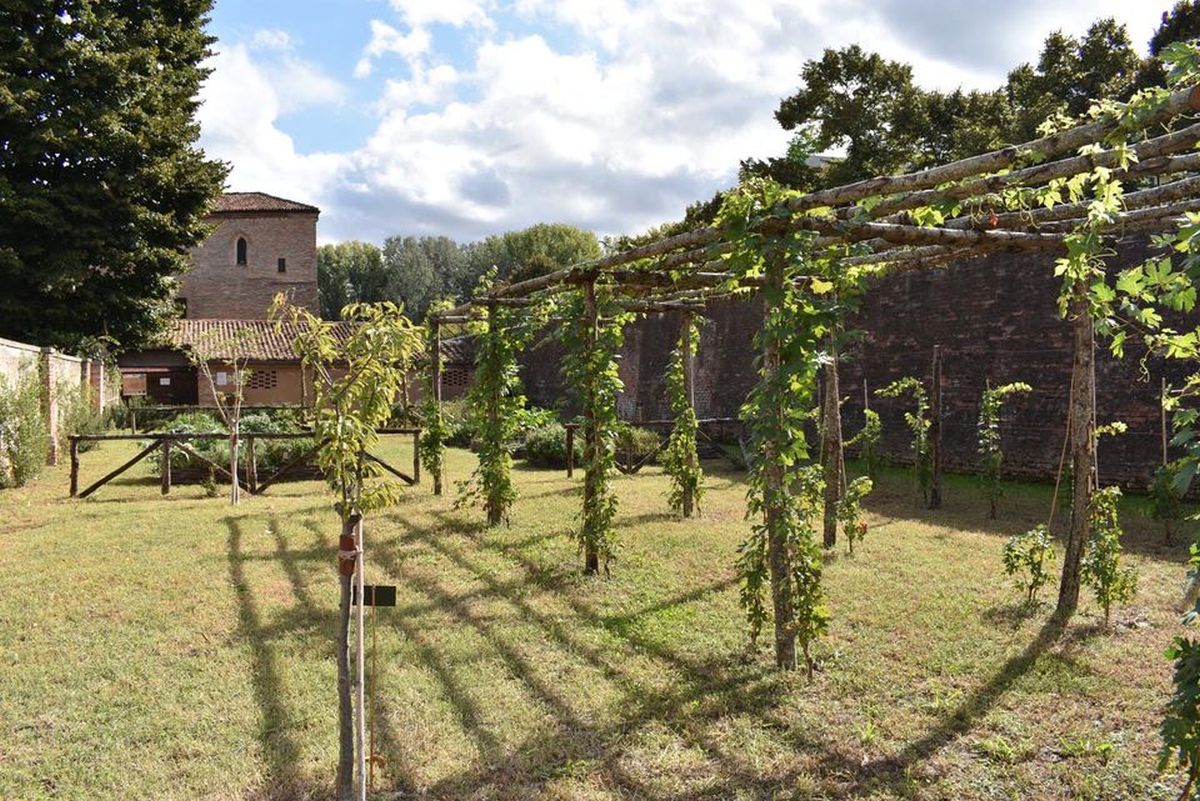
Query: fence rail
x=164 y=442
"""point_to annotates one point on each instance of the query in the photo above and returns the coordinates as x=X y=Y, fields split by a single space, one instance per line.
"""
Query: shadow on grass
x=280 y=749
x=698 y=692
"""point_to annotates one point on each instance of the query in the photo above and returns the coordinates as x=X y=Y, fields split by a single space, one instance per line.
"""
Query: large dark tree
x=102 y=186
x=349 y=272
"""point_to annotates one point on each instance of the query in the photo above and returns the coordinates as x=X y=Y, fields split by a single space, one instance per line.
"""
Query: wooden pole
x=74 y=466
x=591 y=439
x=1162 y=408
x=866 y=395
x=252 y=464
x=689 y=390
x=495 y=514
x=417 y=457
x=165 y=470
x=935 y=432
x=1083 y=447
x=347 y=559
x=571 y=449
x=436 y=388
x=778 y=560
x=832 y=445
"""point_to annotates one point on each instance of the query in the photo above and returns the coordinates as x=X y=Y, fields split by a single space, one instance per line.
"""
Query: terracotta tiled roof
x=256 y=340
x=231 y=202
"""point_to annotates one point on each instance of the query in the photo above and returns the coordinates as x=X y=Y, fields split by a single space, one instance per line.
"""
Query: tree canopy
x=102 y=187
x=869 y=109
x=415 y=271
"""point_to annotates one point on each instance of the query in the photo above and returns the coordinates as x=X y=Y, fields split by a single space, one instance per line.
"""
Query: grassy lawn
x=180 y=648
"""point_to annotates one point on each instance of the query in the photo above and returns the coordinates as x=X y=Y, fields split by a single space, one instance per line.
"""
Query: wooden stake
x=592 y=427
x=571 y=449
x=689 y=390
x=417 y=457
x=165 y=470
x=935 y=432
x=832 y=445
x=779 y=561
x=1162 y=408
x=251 y=464
x=74 y=466
x=436 y=382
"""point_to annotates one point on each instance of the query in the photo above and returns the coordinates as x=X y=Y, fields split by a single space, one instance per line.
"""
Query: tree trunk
x=832 y=451
x=591 y=440
x=346 y=567
x=360 y=669
x=774 y=487
x=495 y=514
x=1083 y=450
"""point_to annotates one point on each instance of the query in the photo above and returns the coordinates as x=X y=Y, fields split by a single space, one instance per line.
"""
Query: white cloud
x=645 y=106
x=459 y=13
x=386 y=39
x=271 y=39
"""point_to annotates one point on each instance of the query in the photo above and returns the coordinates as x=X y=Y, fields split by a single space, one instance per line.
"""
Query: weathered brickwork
x=996 y=319
x=218 y=287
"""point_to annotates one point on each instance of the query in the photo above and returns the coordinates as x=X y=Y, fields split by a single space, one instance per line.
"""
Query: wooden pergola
x=915 y=221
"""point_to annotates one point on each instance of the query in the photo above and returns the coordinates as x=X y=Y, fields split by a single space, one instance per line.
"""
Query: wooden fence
x=164 y=443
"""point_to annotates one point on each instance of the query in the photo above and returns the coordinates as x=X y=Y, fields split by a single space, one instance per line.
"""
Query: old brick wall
x=218 y=287
x=996 y=319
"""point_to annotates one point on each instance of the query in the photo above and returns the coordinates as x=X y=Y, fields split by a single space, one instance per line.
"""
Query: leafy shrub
x=635 y=446
x=1101 y=566
x=24 y=436
x=1027 y=557
x=77 y=416
x=1166 y=499
x=546 y=446
x=1180 y=730
x=849 y=510
x=270 y=455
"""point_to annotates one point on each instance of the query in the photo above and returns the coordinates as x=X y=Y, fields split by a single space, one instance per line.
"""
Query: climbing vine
x=679 y=459
x=991 y=454
x=432 y=444
x=494 y=403
x=918 y=424
x=867 y=439
x=590 y=367
x=805 y=292
x=850 y=512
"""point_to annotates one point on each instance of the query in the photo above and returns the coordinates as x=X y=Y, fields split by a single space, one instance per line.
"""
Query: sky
x=466 y=118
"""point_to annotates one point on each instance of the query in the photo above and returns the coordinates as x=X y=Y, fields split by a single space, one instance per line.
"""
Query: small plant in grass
x=1027 y=557
x=918 y=423
x=679 y=457
x=1101 y=566
x=867 y=439
x=1166 y=499
x=850 y=512
x=991 y=454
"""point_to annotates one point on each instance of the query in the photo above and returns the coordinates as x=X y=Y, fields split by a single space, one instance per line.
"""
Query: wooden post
x=1083 y=449
x=591 y=440
x=417 y=456
x=1162 y=408
x=866 y=395
x=74 y=447
x=571 y=449
x=495 y=515
x=251 y=464
x=832 y=441
x=165 y=470
x=436 y=388
x=778 y=560
x=935 y=431
x=132 y=420
x=689 y=390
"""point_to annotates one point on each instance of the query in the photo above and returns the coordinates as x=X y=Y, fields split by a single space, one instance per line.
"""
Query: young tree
x=350 y=403
x=222 y=358
x=104 y=187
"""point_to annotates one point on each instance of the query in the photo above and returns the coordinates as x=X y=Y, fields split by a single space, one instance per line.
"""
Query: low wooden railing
x=164 y=442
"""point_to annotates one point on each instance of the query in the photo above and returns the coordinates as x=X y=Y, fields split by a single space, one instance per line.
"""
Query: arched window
x=241 y=251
